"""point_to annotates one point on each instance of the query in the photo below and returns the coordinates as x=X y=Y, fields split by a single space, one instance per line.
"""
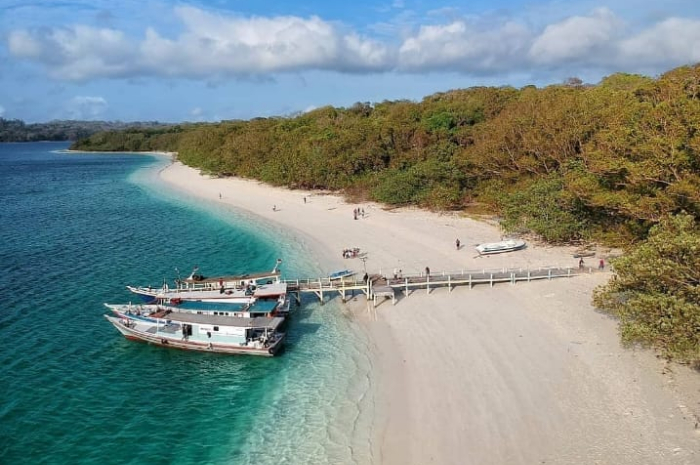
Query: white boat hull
x=143 y=331
x=500 y=247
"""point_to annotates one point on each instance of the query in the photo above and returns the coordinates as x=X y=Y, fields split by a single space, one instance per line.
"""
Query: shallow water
x=77 y=228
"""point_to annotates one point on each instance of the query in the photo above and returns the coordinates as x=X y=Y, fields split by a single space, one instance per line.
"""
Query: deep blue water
x=74 y=230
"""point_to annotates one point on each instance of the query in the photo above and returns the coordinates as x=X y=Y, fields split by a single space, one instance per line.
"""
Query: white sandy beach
x=515 y=374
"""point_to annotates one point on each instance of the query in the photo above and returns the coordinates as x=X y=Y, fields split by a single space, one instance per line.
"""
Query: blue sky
x=237 y=59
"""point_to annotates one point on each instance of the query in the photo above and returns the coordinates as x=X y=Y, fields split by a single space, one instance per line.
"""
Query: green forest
x=14 y=130
x=616 y=163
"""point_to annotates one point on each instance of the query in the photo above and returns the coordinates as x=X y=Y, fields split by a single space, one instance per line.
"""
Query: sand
x=512 y=374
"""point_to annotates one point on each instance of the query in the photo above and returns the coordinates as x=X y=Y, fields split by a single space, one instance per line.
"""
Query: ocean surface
x=75 y=229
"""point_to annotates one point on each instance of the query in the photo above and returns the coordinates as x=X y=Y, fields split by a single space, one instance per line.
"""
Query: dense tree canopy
x=656 y=293
x=613 y=158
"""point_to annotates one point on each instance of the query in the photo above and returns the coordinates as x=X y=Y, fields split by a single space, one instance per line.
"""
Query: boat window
x=216 y=328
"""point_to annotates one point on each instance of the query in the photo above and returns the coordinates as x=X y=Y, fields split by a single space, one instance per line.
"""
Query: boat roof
x=241 y=277
x=267 y=290
x=239 y=322
x=259 y=306
x=212 y=306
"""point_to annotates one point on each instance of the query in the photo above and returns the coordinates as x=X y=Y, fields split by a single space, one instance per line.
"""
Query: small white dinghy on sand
x=500 y=247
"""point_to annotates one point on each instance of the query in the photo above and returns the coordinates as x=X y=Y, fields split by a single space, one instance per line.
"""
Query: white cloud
x=86 y=107
x=576 y=38
x=21 y=44
x=464 y=46
x=666 y=44
x=75 y=53
x=217 y=46
x=210 y=44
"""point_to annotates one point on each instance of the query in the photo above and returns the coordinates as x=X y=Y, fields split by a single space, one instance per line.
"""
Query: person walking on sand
x=304 y=200
x=601 y=264
x=580 y=264
x=457 y=243
x=274 y=208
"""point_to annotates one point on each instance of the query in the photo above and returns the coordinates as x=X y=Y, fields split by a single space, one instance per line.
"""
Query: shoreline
x=512 y=374
x=171 y=155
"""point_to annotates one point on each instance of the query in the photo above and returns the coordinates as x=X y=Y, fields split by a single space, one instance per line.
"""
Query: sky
x=173 y=61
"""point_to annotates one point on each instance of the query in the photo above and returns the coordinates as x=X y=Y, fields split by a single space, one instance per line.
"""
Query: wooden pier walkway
x=381 y=286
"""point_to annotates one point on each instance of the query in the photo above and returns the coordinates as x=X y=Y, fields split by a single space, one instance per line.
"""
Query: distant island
x=14 y=130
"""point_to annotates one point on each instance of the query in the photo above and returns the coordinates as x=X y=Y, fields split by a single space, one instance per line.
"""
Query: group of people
x=358 y=212
x=601 y=264
x=351 y=253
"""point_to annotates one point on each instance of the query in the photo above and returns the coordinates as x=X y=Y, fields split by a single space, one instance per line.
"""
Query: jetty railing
x=379 y=285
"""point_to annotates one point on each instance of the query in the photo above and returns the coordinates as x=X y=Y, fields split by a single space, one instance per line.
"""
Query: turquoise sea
x=75 y=229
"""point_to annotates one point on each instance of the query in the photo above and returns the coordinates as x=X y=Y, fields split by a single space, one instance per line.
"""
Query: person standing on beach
x=304 y=200
x=601 y=264
x=457 y=243
x=580 y=264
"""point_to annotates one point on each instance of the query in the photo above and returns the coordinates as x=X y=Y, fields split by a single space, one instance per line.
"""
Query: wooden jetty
x=378 y=286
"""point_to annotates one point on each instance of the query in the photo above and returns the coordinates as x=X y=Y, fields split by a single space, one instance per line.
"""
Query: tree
x=656 y=290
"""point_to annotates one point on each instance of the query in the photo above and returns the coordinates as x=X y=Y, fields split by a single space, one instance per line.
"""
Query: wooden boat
x=342 y=274
x=206 y=333
x=246 y=295
x=153 y=312
x=500 y=247
x=240 y=285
